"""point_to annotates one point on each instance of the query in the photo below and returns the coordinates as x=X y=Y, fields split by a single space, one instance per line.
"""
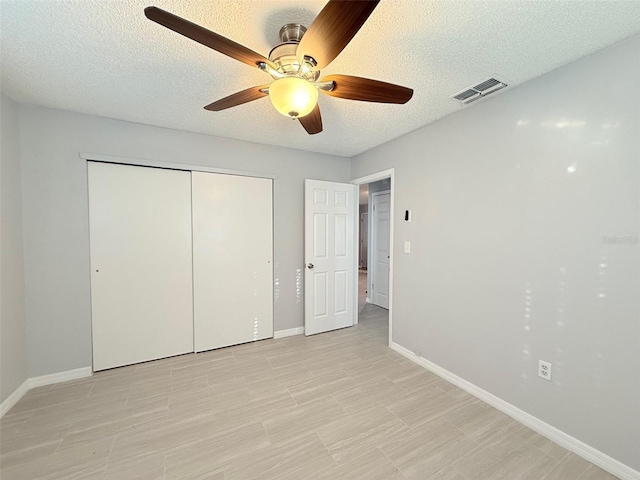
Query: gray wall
x=511 y=199
x=56 y=231
x=13 y=327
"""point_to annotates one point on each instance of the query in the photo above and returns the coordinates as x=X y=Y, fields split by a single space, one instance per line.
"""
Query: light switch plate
x=407 y=247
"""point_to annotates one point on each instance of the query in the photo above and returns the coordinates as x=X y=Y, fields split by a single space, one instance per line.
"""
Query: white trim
x=14 y=398
x=374 y=177
x=390 y=173
x=355 y=251
x=60 y=377
x=563 y=439
x=172 y=165
x=288 y=333
x=40 y=381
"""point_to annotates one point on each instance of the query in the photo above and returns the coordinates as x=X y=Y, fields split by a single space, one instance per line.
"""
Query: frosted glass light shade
x=293 y=97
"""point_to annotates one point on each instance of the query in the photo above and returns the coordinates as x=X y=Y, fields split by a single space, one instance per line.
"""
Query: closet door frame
x=87 y=157
x=140 y=162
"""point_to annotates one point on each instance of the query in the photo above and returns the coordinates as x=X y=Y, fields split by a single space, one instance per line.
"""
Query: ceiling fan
x=295 y=63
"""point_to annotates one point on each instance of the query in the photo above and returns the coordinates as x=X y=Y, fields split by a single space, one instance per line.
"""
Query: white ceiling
x=105 y=58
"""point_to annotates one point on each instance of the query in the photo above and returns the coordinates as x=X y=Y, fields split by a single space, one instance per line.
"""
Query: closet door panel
x=141 y=264
x=232 y=259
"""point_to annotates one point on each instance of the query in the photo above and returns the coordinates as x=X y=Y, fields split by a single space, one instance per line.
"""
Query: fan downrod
x=292 y=32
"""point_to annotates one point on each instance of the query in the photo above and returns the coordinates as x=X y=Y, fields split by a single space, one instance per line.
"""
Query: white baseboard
x=368 y=300
x=563 y=439
x=60 y=377
x=288 y=333
x=34 y=382
x=14 y=398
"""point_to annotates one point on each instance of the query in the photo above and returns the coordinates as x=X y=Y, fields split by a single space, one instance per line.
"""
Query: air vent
x=482 y=89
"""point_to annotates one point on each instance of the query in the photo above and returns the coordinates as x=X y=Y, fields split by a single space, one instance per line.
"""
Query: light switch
x=407 y=247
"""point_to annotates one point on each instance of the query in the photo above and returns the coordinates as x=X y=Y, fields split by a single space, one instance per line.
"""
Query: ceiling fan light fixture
x=293 y=97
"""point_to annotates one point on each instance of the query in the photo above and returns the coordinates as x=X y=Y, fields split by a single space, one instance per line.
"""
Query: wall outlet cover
x=544 y=370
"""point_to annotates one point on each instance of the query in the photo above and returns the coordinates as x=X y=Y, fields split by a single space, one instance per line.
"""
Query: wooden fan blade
x=333 y=29
x=238 y=98
x=204 y=36
x=366 y=90
x=312 y=122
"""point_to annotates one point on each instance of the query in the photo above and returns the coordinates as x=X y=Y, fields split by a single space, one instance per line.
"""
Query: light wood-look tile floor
x=340 y=405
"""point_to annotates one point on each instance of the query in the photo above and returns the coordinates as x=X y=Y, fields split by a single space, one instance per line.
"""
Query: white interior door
x=380 y=249
x=329 y=255
x=140 y=237
x=232 y=259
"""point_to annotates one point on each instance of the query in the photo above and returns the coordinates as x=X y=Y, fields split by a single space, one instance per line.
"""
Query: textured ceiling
x=105 y=58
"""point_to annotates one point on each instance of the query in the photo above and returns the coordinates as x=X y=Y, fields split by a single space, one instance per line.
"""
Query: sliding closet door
x=141 y=276
x=232 y=259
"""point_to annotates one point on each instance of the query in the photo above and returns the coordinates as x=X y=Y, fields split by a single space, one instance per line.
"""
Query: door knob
x=310 y=266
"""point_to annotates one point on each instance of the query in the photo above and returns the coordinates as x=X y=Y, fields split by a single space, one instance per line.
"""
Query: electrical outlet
x=544 y=370
x=418 y=352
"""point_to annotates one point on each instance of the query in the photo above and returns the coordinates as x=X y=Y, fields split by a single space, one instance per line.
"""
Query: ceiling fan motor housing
x=284 y=55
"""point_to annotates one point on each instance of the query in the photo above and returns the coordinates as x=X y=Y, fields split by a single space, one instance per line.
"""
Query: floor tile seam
x=565 y=456
x=20 y=427
x=541 y=453
x=327 y=449
x=288 y=389
x=458 y=430
x=264 y=430
x=25 y=450
x=465 y=421
x=398 y=417
x=56 y=404
x=340 y=405
x=59 y=431
x=546 y=475
x=292 y=397
x=474 y=449
x=335 y=464
x=79 y=444
x=270 y=437
x=77 y=382
x=512 y=461
x=539 y=449
x=392 y=462
x=412 y=410
x=493 y=430
x=500 y=464
x=109 y=456
x=431 y=383
x=93 y=385
x=451 y=466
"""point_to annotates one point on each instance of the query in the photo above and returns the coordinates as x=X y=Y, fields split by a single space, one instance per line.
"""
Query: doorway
x=375 y=247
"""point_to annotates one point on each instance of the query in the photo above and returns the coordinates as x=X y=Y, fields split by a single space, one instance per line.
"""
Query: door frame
x=374 y=177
